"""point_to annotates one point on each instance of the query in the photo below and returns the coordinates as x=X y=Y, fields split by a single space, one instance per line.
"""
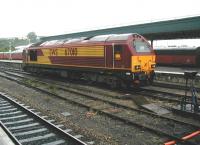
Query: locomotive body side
x=111 y=59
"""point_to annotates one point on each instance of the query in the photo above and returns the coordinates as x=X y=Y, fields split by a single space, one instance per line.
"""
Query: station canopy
x=162 y=30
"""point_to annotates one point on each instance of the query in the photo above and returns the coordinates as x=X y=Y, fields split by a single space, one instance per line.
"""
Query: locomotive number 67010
x=71 y=52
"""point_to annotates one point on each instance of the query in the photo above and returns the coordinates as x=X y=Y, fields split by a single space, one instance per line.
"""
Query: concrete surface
x=4 y=139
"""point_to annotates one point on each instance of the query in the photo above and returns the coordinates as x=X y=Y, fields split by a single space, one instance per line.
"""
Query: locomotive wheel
x=150 y=81
x=124 y=84
x=113 y=82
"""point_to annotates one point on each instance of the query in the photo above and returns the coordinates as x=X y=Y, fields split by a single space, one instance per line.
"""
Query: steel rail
x=51 y=126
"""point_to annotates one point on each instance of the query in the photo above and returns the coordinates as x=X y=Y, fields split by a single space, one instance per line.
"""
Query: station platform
x=16 y=64
x=175 y=75
x=12 y=61
x=4 y=138
x=175 y=70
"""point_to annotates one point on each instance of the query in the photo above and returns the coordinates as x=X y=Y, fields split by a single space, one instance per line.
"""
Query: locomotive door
x=114 y=56
x=25 y=55
x=118 y=56
x=108 y=56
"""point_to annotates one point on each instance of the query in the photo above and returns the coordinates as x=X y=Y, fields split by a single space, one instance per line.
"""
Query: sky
x=53 y=17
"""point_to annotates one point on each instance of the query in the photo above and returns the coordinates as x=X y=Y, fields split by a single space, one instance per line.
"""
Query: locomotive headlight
x=128 y=73
x=153 y=66
x=137 y=67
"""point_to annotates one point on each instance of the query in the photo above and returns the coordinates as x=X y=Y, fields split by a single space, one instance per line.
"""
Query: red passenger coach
x=114 y=59
x=1 y=55
x=5 y=55
x=178 y=56
x=13 y=55
x=16 y=55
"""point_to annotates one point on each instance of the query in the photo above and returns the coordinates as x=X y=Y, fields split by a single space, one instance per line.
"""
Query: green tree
x=32 y=37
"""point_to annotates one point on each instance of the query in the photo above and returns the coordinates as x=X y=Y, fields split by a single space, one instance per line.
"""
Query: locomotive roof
x=99 y=38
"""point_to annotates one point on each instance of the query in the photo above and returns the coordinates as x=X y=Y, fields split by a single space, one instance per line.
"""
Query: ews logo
x=53 y=52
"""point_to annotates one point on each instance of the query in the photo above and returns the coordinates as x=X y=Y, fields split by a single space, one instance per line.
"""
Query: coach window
x=118 y=52
x=33 y=55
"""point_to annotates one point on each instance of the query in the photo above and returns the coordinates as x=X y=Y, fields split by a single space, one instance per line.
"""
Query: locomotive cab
x=143 y=60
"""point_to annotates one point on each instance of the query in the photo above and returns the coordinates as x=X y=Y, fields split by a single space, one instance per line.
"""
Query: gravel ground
x=91 y=125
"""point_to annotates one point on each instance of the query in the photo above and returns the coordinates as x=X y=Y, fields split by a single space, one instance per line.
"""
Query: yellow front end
x=143 y=67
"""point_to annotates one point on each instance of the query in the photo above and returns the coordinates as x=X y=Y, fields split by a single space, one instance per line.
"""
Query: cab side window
x=33 y=55
x=118 y=52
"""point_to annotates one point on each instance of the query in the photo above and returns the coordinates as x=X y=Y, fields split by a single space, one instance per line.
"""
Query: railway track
x=152 y=91
x=162 y=93
x=28 y=128
x=157 y=94
x=156 y=91
x=172 y=85
x=143 y=119
x=157 y=85
x=147 y=92
x=78 y=85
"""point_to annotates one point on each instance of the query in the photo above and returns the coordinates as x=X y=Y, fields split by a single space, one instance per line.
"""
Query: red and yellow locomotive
x=117 y=59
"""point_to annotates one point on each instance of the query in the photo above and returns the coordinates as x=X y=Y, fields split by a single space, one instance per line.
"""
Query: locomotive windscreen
x=141 y=46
